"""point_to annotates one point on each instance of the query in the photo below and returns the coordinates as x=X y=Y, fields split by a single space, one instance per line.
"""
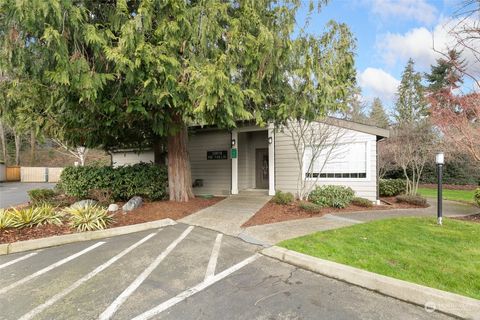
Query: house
x=251 y=157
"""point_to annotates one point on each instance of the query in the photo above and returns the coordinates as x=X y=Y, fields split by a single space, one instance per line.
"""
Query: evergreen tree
x=446 y=73
x=127 y=72
x=355 y=106
x=411 y=105
x=378 y=116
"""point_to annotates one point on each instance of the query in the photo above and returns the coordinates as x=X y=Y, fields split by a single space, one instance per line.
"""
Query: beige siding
x=287 y=168
x=216 y=174
x=130 y=157
x=248 y=142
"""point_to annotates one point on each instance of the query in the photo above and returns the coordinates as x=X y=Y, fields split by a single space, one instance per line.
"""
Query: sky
x=388 y=33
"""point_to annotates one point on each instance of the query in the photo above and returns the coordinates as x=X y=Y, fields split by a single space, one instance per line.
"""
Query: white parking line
x=212 y=263
x=108 y=313
x=190 y=292
x=17 y=260
x=81 y=281
x=50 y=267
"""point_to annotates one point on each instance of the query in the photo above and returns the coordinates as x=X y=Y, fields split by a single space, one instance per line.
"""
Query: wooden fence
x=12 y=173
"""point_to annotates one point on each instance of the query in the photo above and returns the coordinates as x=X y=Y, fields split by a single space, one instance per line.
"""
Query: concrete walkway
x=228 y=215
x=270 y=234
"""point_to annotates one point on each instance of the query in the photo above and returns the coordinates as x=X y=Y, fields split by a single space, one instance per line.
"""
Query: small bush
x=148 y=181
x=89 y=218
x=41 y=195
x=102 y=196
x=415 y=200
x=392 y=187
x=476 y=197
x=283 y=198
x=49 y=215
x=362 y=202
x=332 y=196
x=6 y=219
x=26 y=218
x=310 y=207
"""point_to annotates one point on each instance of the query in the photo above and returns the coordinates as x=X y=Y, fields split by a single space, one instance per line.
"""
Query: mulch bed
x=449 y=186
x=472 y=218
x=273 y=212
x=149 y=211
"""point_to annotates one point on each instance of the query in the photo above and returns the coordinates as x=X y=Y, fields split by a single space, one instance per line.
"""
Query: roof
x=352 y=125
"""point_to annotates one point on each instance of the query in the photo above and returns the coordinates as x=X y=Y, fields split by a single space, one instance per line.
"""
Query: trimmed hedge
x=149 y=181
x=283 y=198
x=362 y=202
x=415 y=200
x=476 y=197
x=392 y=187
x=332 y=196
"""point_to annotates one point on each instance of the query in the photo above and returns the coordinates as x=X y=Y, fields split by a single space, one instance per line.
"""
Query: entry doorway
x=261 y=168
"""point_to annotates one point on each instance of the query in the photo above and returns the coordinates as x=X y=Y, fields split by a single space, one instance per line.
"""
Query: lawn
x=448 y=194
x=412 y=249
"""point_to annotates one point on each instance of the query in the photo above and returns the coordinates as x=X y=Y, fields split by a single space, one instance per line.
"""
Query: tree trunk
x=18 y=144
x=3 y=141
x=179 y=174
x=32 y=147
x=159 y=151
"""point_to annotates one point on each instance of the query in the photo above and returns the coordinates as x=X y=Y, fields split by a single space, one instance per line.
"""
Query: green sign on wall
x=234 y=153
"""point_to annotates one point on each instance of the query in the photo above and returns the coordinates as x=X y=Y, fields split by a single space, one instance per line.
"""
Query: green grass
x=413 y=249
x=454 y=195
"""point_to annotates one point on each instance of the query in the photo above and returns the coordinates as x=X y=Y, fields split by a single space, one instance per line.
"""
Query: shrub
x=146 y=180
x=283 y=198
x=49 y=214
x=476 y=197
x=102 y=196
x=415 y=200
x=41 y=195
x=6 y=219
x=89 y=218
x=26 y=218
x=392 y=187
x=362 y=202
x=310 y=207
x=332 y=196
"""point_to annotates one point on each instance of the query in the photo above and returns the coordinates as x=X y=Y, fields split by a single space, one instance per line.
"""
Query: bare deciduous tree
x=312 y=141
x=412 y=145
x=77 y=152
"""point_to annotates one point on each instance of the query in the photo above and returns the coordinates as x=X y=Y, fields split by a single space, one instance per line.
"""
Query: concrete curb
x=33 y=244
x=429 y=298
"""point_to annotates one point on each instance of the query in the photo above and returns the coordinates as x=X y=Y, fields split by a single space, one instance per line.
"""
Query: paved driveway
x=179 y=272
x=14 y=193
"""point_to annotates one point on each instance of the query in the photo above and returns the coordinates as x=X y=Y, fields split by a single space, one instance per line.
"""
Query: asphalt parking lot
x=15 y=193
x=179 y=272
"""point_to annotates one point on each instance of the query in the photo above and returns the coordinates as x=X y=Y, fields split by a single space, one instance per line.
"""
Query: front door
x=261 y=169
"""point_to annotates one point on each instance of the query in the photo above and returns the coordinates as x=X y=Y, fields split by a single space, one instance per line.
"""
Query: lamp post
x=439 y=160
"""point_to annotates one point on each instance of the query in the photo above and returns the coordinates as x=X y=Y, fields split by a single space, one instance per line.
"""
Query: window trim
x=368 y=146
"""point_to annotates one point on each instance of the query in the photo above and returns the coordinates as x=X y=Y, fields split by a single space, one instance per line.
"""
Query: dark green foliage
x=145 y=180
x=392 y=187
x=310 y=207
x=362 y=202
x=460 y=170
x=332 y=196
x=283 y=198
x=41 y=195
x=415 y=200
x=476 y=197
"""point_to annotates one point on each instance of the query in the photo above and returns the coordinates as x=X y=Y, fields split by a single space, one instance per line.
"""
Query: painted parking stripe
x=17 y=260
x=190 y=292
x=212 y=263
x=82 y=280
x=108 y=313
x=50 y=267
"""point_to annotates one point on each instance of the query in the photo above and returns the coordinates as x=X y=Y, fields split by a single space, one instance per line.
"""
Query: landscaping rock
x=113 y=207
x=133 y=203
x=83 y=204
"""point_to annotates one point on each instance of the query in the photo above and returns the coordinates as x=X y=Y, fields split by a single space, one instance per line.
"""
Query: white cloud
x=419 y=44
x=378 y=83
x=419 y=10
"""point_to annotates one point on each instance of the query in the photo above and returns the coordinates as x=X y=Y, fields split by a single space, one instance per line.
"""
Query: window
x=344 y=161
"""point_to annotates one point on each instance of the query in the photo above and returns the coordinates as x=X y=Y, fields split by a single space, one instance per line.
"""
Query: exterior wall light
x=234 y=142
x=439 y=160
x=270 y=140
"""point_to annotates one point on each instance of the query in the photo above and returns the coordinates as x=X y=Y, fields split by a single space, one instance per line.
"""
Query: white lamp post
x=439 y=160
